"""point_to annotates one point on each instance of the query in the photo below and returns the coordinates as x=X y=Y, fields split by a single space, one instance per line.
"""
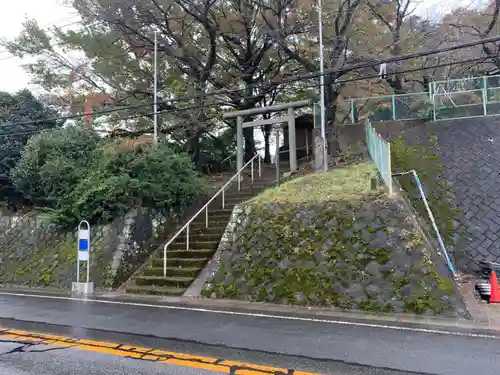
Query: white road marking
x=261 y=315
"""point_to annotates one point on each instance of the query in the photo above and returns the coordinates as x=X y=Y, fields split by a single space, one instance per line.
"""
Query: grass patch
x=327 y=239
x=350 y=182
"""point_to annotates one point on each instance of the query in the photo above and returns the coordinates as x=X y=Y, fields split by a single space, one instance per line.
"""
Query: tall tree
x=293 y=26
x=469 y=24
x=21 y=116
x=206 y=46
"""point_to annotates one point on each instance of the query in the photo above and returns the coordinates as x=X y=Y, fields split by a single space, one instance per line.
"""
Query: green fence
x=451 y=99
x=390 y=107
x=459 y=104
x=380 y=153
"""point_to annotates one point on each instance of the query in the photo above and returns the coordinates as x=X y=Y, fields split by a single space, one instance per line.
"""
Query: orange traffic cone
x=495 y=290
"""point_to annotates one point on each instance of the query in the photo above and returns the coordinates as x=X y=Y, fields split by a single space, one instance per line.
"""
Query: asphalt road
x=57 y=361
x=313 y=346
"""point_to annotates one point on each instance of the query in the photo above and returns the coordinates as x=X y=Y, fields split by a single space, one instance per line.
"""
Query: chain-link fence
x=457 y=85
x=380 y=153
x=460 y=104
x=451 y=99
x=376 y=108
x=493 y=101
x=412 y=106
x=389 y=107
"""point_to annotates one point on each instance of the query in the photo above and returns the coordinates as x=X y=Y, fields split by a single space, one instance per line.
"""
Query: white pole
x=155 y=94
x=322 y=84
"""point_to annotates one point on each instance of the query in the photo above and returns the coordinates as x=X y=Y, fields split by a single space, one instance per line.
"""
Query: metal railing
x=445 y=100
x=226 y=159
x=380 y=153
x=221 y=192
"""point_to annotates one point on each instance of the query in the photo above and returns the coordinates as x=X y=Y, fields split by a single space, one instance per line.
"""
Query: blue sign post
x=83 y=256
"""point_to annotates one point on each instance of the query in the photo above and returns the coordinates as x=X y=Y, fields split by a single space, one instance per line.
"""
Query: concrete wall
x=35 y=253
x=470 y=152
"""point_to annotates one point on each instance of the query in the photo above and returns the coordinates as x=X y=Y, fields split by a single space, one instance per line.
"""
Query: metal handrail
x=229 y=157
x=205 y=207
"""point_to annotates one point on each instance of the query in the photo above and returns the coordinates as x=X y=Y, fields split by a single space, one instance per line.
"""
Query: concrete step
x=248 y=188
x=201 y=236
x=191 y=254
x=218 y=211
x=214 y=217
x=216 y=206
x=193 y=245
x=215 y=230
x=245 y=190
x=179 y=262
x=184 y=265
x=213 y=227
x=173 y=271
x=154 y=290
x=169 y=281
x=215 y=214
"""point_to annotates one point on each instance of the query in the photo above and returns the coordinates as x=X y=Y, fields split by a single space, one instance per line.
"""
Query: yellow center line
x=147 y=354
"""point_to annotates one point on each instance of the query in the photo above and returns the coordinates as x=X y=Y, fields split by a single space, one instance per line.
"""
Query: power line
x=345 y=69
x=442 y=65
x=117 y=109
x=74 y=117
x=163 y=112
x=350 y=68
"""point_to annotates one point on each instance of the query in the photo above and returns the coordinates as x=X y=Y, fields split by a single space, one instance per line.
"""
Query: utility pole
x=322 y=84
x=155 y=93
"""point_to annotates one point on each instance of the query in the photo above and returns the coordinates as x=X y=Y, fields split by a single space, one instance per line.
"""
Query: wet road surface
x=33 y=352
x=52 y=360
x=316 y=347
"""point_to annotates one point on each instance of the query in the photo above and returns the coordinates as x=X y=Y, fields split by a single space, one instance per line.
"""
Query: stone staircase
x=183 y=266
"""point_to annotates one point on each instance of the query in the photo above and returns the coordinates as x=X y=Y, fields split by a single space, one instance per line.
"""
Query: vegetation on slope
x=75 y=175
x=17 y=112
x=327 y=240
x=425 y=159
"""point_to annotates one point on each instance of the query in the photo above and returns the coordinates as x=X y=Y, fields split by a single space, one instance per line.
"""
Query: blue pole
x=393 y=105
x=434 y=225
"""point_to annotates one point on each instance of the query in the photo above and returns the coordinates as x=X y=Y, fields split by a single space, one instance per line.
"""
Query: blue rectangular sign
x=83 y=245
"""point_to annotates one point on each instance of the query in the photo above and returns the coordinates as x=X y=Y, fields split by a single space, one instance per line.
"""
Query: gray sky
x=46 y=12
x=52 y=12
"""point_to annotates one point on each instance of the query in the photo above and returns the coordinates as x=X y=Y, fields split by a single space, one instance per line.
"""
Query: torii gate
x=289 y=117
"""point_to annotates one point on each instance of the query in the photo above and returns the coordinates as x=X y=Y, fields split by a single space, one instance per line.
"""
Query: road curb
x=264 y=309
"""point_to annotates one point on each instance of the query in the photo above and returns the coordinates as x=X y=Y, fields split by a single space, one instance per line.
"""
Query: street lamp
x=322 y=86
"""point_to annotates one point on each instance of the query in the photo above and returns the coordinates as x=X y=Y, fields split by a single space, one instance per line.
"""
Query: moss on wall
x=326 y=240
x=47 y=265
x=425 y=160
x=33 y=253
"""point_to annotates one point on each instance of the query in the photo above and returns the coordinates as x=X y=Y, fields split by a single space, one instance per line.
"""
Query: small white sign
x=83 y=244
x=83 y=248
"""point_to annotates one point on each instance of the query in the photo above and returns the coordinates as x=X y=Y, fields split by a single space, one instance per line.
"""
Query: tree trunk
x=267 y=144
x=249 y=143
x=397 y=80
x=331 y=94
x=248 y=132
x=193 y=149
x=266 y=132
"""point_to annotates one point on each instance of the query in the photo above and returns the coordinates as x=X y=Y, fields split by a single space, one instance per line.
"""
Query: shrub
x=53 y=162
x=76 y=175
